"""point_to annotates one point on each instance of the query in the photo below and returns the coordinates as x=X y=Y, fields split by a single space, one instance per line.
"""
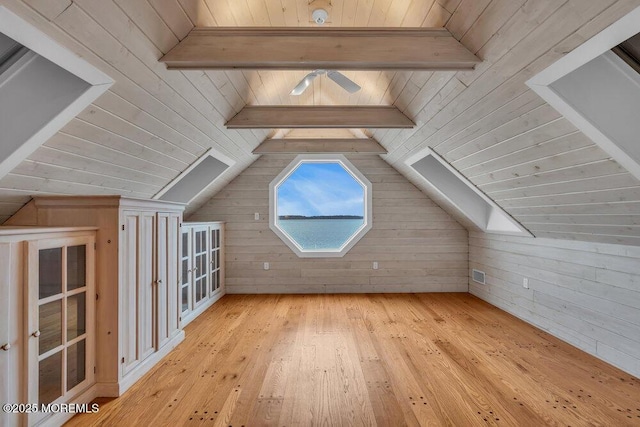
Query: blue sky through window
x=320 y=189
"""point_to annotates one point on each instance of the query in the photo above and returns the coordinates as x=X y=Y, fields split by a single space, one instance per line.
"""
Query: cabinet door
x=60 y=321
x=168 y=229
x=137 y=294
x=8 y=347
x=186 y=264
x=146 y=305
x=200 y=269
x=215 y=259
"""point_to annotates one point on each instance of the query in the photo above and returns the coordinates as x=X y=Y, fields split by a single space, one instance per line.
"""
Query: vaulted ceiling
x=153 y=122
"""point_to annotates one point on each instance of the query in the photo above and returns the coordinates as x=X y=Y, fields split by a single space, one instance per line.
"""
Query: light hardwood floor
x=388 y=360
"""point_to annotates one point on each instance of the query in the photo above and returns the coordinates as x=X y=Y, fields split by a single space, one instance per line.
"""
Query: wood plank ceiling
x=153 y=122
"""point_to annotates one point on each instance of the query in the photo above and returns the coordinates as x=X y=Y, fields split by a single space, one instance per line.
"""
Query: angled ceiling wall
x=153 y=123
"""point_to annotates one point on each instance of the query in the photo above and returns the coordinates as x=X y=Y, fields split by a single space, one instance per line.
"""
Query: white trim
x=28 y=36
x=598 y=45
x=145 y=366
x=50 y=129
x=60 y=418
x=496 y=220
x=24 y=33
x=211 y=152
x=612 y=36
x=354 y=172
x=192 y=314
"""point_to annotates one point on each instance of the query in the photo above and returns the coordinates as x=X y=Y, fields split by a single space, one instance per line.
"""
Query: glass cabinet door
x=200 y=270
x=60 y=318
x=185 y=278
x=214 y=260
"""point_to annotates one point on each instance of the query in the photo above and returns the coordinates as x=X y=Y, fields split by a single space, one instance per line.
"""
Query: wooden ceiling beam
x=319 y=117
x=308 y=145
x=310 y=48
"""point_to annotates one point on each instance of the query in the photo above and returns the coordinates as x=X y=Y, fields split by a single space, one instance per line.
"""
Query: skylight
x=629 y=51
x=9 y=51
x=597 y=88
x=463 y=195
x=42 y=87
x=193 y=181
x=33 y=91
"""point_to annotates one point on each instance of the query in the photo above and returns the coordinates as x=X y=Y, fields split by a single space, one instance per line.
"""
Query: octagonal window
x=320 y=205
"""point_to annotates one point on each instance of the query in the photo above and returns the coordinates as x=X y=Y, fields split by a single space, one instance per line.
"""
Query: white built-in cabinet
x=47 y=318
x=202 y=267
x=137 y=278
x=94 y=291
x=149 y=275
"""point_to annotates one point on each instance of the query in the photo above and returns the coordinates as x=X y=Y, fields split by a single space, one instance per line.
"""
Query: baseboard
x=59 y=419
x=348 y=289
x=131 y=378
x=198 y=311
x=107 y=389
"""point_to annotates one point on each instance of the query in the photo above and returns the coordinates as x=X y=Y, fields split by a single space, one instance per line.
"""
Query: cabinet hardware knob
x=159 y=281
x=195 y=268
x=6 y=347
x=36 y=334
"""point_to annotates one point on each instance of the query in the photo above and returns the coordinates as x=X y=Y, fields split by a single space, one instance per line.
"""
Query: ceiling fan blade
x=345 y=82
x=304 y=83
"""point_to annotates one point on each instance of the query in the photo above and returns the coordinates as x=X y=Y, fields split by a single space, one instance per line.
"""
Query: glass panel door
x=60 y=319
x=214 y=262
x=185 y=280
x=200 y=270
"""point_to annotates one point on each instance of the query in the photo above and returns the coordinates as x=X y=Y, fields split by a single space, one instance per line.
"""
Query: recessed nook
x=43 y=86
x=320 y=205
x=462 y=195
x=202 y=173
x=597 y=88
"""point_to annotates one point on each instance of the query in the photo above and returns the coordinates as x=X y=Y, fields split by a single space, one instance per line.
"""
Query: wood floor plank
x=384 y=359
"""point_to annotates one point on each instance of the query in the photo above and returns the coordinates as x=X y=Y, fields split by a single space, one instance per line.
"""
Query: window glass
x=50 y=272
x=50 y=378
x=320 y=205
x=76 y=312
x=50 y=321
x=76 y=364
x=76 y=267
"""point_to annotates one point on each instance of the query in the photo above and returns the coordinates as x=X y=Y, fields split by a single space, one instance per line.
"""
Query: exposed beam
x=308 y=145
x=291 y=117
x=324 y=48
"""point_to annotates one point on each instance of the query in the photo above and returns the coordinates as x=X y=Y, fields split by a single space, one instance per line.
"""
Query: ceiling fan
x=320 y=16
x=343 y=81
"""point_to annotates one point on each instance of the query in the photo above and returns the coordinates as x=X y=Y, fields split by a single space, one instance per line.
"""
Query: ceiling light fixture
x=319 y=16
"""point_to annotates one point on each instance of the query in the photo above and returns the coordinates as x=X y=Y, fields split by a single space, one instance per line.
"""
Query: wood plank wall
x=148 y=127
x=419 y=247
x=504 y=138
x=587 y=294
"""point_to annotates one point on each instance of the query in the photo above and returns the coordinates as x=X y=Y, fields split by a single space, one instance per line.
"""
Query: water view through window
x=320 y=205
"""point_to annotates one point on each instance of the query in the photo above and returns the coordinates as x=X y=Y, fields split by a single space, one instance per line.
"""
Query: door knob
x=36 y=334
x=6 y=347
